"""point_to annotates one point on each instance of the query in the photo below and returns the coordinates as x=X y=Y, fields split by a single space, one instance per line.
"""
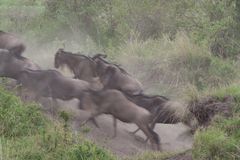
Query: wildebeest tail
x=171 y=113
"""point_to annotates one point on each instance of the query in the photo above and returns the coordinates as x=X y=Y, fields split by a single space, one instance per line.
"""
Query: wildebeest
x=12 y=43
x=159 y=106
x=111 y=75
x=11 y=66
x=51 y=83
x=115 y=77
x=115 y=103
x=83 y=67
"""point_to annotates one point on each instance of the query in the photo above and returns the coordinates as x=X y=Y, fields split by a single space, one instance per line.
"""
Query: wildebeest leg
x=152 y=125
x=115 y=127
x=134 y=132
x=92 y=117
x=54 y=106
x=154 y=139
x=75 y=77
x=95 y=122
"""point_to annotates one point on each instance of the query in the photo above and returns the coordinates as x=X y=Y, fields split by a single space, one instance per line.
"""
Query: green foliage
x=17 y=119
x=209 y=23
x=231 y=90
x=215 y=144
x=85 y=129
x=89 y=151
x=166 y=66
x=221 y=140
x=52 y=145
x=65 y=116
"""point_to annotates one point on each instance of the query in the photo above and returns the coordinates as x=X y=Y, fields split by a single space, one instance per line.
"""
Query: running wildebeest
x=115 y=103
x=12 y=43
x=115 y=77
x=159 y=106
x=111 y=75
x=162 y=109
x=11 y=66
x=83 y=67
x=51 y=83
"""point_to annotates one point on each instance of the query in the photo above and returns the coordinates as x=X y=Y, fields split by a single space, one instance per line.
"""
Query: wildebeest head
x=12 y=43
x=107 y=75
x=11 y=66
x=115 y=77
x=82 y=66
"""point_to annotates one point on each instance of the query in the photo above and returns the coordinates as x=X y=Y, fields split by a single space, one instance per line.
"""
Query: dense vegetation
x=221 y=140
x=183 y=49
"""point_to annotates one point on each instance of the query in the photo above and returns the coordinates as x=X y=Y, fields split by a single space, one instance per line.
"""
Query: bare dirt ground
x=173 y=137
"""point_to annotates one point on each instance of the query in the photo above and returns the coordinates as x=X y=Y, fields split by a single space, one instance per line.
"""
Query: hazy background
x=174 y=48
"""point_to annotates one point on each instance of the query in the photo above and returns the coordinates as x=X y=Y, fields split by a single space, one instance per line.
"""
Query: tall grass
x=167 y=66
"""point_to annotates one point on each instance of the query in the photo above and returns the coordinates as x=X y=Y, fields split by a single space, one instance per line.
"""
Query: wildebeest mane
x=77 y=55
x=103 y=60
x=146 y=96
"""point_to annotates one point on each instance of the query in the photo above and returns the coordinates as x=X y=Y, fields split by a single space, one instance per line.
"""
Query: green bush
x=215 y=144
x=18 y=119
x=221 y=140
x=89 y=151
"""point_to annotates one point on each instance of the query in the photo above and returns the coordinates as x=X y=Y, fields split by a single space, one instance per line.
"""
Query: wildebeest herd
x=102 y=87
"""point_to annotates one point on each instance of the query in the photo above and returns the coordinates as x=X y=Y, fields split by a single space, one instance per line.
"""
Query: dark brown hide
x=156 y=106
x=12 y=43
x=82 y=66
x=114 y=77
x=51 y=83
x=115 y=103
x=11 y=66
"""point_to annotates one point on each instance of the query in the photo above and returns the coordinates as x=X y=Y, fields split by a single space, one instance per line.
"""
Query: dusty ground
x=173 y=137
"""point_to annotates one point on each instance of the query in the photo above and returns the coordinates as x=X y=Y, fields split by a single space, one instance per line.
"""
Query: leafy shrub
x=17 y=119
x=89 y=151
x=215 y=144
x=221 y=140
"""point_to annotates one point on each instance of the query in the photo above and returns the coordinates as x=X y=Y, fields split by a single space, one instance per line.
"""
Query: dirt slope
x=173 y=137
